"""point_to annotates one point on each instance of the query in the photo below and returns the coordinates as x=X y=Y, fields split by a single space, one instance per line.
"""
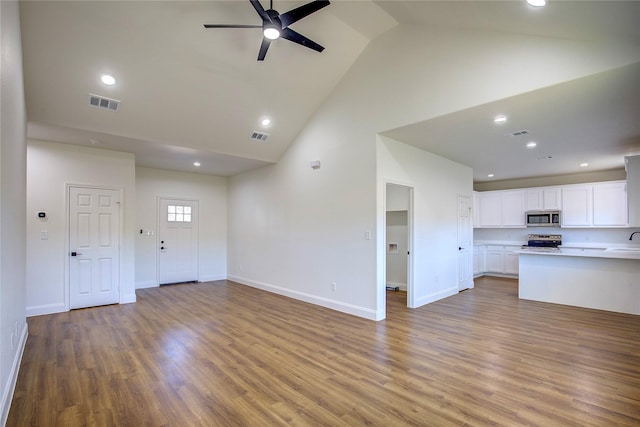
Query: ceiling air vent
x=520 y=133
x=102 y=102
x=259 y=136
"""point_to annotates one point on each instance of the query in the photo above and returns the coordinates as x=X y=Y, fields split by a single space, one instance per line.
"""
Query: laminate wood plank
x=224 y=354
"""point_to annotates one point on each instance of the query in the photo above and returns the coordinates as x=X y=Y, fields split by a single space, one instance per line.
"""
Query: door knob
x=75 y=253
x=460 y=248
x=161 y=247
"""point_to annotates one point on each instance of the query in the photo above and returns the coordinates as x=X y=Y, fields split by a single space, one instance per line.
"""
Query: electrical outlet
x=333 y=286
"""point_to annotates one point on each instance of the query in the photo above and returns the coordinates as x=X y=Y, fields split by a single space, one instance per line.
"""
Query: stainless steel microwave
x=542 y=218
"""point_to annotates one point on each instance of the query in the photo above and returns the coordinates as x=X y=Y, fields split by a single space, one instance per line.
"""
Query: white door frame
x=67 y=249
x=410 y=214
x=159 y=200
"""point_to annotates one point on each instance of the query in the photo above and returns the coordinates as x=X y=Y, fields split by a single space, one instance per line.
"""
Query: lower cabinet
x=511 y=260
x=478 y=260
x=495 y=259
x=498 y=259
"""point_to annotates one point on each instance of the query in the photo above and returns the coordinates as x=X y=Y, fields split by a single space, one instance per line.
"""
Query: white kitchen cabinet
x=490 y=209
x=499 y=209
x=577 y=206
x=602 y=204
x=494 y=257
x=610 y=204
x=476 y=209
x=533 y=199
x=552 y=198
x=478 y=260
x=543 y=199
x=511 y=260
x=512 y=208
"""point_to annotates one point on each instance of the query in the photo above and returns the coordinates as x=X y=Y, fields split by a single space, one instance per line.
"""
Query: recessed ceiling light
x=584 y=165
x=196 y=164
x=491 y=175
x=537 y=3
x=500 y=119
x=108 y=79
x=531 y=144
x=265 y=122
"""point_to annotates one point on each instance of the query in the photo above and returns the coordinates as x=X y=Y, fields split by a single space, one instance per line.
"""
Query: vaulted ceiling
x=192 y=94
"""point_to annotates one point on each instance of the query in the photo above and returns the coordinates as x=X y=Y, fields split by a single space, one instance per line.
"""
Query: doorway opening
x=398 y=244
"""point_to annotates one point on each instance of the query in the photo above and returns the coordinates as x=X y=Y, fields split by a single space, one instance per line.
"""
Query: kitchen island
x=605 y=279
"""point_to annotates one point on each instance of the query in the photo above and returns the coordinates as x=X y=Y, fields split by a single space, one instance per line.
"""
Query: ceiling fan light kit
x=276 y=25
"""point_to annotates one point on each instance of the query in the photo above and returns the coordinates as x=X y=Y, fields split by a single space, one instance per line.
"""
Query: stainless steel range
x=543 y=242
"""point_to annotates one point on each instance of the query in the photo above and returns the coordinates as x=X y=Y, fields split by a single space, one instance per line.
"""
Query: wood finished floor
x=219 y=353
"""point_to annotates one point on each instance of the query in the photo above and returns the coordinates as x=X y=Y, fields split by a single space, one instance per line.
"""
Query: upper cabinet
x=490 y=209
x=610 y=204
x=601 y=204
x=544 y=198
x=577 y=206
x=512 y=206
x=501 y=209
x=632 y=164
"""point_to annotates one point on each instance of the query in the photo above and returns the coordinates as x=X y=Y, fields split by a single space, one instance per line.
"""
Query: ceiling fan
x=275 y=25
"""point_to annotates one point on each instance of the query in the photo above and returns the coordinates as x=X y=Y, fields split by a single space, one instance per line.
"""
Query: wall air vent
x=520 y=133
x=103 y=102
x=259 y=136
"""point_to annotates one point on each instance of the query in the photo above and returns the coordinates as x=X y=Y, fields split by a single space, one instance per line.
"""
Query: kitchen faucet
x=635 y=232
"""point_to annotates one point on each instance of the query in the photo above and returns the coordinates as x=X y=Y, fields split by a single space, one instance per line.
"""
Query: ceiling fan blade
x=263 y=48
x=263 y=13
x=298 y=13
x=289 y=34
x=231 y=26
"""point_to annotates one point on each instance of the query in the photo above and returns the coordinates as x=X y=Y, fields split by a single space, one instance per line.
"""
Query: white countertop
x=617 y=253
x=593 y=250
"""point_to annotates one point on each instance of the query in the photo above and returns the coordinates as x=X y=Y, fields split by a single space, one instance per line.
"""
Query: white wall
x=294 y=231
x=210 y=191
x=50 y=167
x=13 y=325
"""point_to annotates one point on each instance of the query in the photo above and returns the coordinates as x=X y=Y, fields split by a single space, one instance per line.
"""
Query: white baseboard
x=506 y=276
x=212 y=278
x=7 y=393
x=39 y=310
x=436 y=296
x=355 y=310
x=145 y=285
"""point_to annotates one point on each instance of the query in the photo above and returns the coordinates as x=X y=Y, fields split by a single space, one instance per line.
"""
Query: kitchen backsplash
x=618 y=236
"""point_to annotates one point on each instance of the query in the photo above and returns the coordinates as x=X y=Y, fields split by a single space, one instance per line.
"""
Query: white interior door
x=94 y=229
x=465 y=243
x=178 y=241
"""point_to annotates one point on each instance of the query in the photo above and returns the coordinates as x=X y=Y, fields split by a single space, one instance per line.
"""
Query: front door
x=465 y=243
x=178 y=241
x=94 y=230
